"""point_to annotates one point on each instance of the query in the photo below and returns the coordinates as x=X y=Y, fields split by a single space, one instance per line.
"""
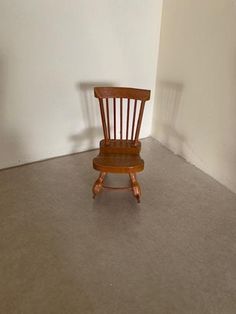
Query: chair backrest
x=121 y=112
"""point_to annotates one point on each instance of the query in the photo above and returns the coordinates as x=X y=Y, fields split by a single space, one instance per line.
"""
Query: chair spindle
x=134 y=116
x=114 y=111
x=103 y=120
x=127 y=124
x=139 y=122
x=121 y=118
x=108 y=118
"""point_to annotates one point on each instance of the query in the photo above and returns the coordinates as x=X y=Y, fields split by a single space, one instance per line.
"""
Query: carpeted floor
x=63 y=252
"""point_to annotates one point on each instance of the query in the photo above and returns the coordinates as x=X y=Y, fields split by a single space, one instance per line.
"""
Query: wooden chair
x=121 y=113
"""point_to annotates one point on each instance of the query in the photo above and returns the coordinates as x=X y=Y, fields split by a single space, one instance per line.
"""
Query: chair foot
x=98 y=184
x=135 y=186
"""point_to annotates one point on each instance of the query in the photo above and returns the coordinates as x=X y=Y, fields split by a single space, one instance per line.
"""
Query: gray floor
x=63 y=252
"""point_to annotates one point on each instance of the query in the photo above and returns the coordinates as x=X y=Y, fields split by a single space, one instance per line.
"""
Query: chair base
x=134 y=185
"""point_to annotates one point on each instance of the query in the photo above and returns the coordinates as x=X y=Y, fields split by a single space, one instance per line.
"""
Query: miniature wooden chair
x=121 y=113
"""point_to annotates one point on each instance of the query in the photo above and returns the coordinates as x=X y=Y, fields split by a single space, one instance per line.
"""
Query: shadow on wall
x=10 y=141
x=90 y=115
x=169 y=97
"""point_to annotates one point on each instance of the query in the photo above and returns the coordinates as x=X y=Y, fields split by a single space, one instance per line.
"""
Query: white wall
x=195 y=109
x=52 y=52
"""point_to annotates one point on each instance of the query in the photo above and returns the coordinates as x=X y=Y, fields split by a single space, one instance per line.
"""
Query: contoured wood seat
x=120 y=156
x=121 y=113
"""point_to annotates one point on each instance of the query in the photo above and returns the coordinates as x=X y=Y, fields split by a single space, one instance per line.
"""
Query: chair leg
x=98 y=184
x=135 y=186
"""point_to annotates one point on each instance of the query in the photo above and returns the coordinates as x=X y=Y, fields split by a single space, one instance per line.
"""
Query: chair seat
x=118 y=163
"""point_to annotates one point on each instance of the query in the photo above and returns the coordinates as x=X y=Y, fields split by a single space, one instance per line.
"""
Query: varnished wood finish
x=114 y=114
x=139 y=122
x=127 y=120
x=98 y=183
x=122 y=92
x=120 y=149
x=135 y=186
x=108 y=119
x=118 y=163
x=134 y=116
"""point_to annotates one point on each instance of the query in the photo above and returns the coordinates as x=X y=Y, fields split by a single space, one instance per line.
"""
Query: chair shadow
x=12 y=152
x=90 y=115
x=170 y=94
